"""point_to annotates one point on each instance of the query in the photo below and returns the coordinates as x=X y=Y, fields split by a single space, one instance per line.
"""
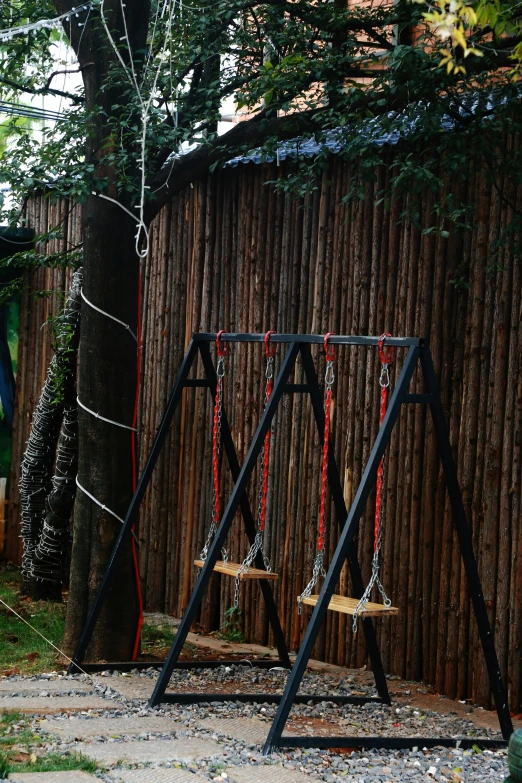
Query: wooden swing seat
x=231 y=569
x=341 y=603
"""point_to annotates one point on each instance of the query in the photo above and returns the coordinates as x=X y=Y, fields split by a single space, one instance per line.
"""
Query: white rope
x=43 y=637
x=118 y=204
x=145 y=104
x=101 y=505
x=104 y=507
x=112 y=317
x=49 y=24
x=102 y=418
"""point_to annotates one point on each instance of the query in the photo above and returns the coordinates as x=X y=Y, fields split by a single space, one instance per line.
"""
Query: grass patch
x=14 y=731
x=54 y=762
x=19 y=746
x=22 y=651
x=156 y=641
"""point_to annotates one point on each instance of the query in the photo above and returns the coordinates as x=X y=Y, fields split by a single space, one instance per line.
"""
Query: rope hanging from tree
x=257 y=546
x=222 y=351
x=384 y=382
x=329 y=378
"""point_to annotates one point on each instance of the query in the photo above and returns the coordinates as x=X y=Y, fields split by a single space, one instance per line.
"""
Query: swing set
x=256 y=564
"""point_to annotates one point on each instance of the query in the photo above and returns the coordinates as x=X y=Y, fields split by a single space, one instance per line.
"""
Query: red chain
x=215 y=447
x=385 y=360
x=330 y=358
x=270 y=352
x=324 y=468
x=221 y=351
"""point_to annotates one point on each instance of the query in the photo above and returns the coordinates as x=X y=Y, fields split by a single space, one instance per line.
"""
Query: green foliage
x=298 y=70
x=231 y=629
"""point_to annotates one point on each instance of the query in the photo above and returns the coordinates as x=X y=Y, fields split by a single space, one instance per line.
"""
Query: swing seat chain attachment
x=222 y=351
x=384 y=382
x=329 y=379
x=257 y=546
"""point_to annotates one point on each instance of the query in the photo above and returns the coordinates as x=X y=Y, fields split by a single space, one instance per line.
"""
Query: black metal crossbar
x=299 y=345
x=309 y=339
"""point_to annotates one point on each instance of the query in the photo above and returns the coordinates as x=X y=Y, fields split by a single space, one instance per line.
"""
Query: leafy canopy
x=291 y=67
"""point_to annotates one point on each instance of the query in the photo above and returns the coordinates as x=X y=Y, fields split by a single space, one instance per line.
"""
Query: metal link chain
x=318 y=568
x=257 y=546
x=384 y=382
x=218 y=415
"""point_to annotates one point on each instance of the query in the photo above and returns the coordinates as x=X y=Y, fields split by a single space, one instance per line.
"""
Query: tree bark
x=108 y=357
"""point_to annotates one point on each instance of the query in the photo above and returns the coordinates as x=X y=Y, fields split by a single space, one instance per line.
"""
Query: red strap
x=221 y=350
x=330 y=350
x=385 y=357
x=270 y=350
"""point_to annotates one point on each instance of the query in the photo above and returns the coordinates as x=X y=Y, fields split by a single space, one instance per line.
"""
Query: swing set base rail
x=388 y=743
x=264 y=698
x=197 y=663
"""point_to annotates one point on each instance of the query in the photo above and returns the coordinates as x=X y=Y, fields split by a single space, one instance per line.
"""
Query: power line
x=32 y=112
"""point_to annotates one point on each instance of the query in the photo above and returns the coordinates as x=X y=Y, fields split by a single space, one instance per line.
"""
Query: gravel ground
x=439 y=764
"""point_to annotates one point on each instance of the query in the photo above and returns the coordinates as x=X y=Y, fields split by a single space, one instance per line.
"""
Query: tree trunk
x=108 y=351
x=106 y=385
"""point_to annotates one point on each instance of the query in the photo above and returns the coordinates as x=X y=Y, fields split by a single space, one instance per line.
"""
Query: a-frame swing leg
x=236 y=497
x=350 y=528
x=466 y=546
x=246 y=512
x=132 y=512
x=275 y=738
x=341 y=513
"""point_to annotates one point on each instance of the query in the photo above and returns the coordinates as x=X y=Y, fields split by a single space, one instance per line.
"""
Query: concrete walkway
x=105 y=718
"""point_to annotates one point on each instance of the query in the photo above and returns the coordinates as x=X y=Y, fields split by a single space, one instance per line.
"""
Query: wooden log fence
x=231 y=252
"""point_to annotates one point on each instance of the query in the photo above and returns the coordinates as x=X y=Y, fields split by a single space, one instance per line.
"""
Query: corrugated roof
x=409 y=121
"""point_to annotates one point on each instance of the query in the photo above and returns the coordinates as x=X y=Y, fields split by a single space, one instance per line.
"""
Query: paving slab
x=186 y=749
x=70 y=730
x=130 y=687
x=252 y=731
x=35 y=687
x=274 y=773
x=157 y=776
x=52 y=777
x=49 y=706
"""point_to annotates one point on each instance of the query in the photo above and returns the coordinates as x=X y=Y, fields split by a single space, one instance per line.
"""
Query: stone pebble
x=369 y=766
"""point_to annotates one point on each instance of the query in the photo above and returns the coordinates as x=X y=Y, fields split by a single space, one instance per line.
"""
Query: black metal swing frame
x=299 y=345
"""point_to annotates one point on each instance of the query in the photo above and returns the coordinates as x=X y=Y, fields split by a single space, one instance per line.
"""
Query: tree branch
x=250 y=133
x=40 y=90
x=57 y=73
